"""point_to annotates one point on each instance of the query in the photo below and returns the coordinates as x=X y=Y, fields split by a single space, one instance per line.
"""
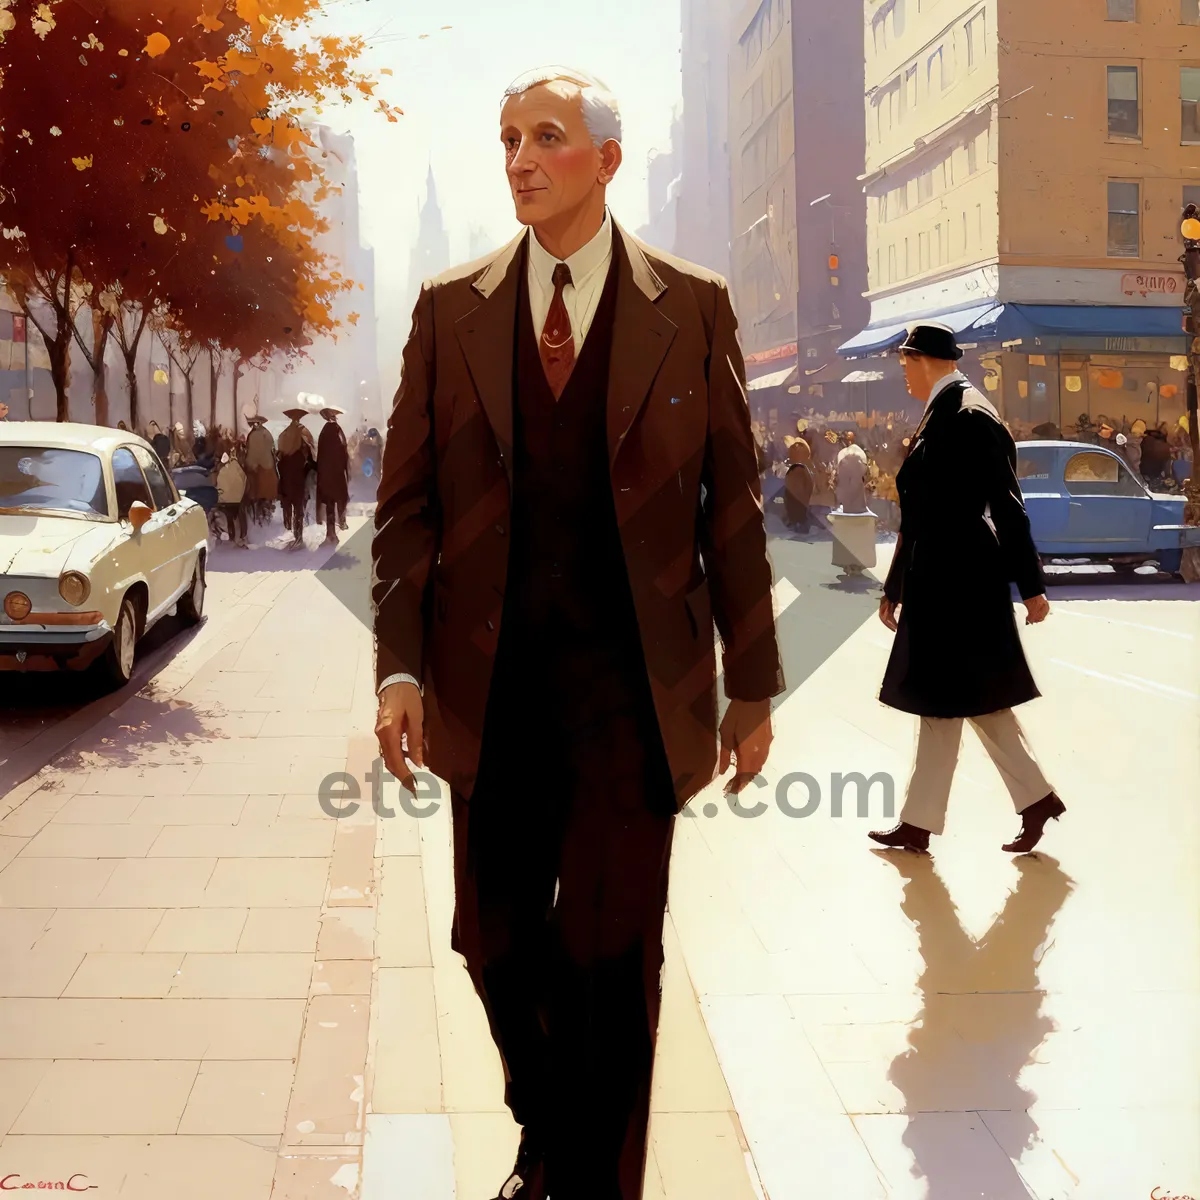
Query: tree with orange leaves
x=184 y=184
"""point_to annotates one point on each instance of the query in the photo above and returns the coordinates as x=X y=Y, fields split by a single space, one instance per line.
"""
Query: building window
x=924 y=186
x=1122 y=10
x=923 y=252
x=910 y=88
x=966 y=235
x=1124 y=223
x=907 y=260
x=976 y=40
x=979 y=218
x=936 y=75
x=883 y=207
x=972 y=158
x=1189 y=12
x=1123 y=119
x=1189 y=97
x=1191 y=195
x=891 y=264
x=898 y=18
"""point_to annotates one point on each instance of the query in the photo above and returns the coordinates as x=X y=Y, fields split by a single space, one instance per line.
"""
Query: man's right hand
x=887 y=613
x=401 y=722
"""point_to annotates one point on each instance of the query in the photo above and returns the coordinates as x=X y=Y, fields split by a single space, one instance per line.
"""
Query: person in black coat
x=964 y=536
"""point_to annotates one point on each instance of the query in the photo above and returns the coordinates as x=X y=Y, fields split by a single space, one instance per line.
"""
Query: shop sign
x=774 y=355
x=1150 y=283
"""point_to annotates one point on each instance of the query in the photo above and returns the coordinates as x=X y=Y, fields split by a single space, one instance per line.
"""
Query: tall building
x=702 y=215
x=344 y=371
x=480 y=242
x=798 y=269
x=763 y=267
x=1027 y=165
x=831 y=216
x=431 y=252
x=663 y=182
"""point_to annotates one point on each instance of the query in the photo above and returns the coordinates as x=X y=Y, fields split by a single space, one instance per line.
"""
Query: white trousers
x=937 y=755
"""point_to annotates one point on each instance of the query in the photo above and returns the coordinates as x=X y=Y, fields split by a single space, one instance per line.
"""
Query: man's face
x=551 y=160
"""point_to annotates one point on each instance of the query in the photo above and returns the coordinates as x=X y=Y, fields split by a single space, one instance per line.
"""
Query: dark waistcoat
x=569 y=629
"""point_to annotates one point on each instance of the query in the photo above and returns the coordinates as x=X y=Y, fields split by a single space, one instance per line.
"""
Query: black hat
x=932 y=339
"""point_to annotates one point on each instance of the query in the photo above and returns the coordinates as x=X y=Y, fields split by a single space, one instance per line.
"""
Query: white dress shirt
x=589 y=272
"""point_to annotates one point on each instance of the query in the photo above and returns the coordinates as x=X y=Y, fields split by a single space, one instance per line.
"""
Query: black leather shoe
x=903 y=837
x=527 y=1181
x=1033 y=823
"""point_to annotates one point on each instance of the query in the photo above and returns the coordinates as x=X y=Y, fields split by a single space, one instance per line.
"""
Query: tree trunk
x=132 y=380
x=238 y=367
x=58 y=348
x=191 y=411
x=214 y=378
x=100 y=391
x=101 y=328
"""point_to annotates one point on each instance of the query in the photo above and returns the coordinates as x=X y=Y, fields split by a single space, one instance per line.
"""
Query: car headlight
x=74 y=588
x=17 y=605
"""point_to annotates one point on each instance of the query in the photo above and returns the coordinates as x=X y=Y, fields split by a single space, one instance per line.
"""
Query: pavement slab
x=210 y=987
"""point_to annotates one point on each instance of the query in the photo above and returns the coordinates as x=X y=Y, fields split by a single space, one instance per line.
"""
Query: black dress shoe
x=1033 y=823
x=527 y=1181
x=903 y=837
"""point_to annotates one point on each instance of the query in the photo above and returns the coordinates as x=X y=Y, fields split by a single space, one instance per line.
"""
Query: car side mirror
x=139 y=514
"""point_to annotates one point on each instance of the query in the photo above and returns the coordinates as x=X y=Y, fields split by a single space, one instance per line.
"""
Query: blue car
x=1085 y=503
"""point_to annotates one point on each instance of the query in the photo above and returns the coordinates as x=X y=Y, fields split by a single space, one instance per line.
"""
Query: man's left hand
x=745 y=740
x=1037 y=609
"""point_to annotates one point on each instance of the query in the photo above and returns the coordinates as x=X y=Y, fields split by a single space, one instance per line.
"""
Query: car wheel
x=191 y=603
x=117 y=663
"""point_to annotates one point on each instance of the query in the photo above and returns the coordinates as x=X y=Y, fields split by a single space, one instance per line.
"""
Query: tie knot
x=561 y=276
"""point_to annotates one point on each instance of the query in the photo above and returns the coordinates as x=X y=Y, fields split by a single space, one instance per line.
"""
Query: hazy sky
x=449 y=85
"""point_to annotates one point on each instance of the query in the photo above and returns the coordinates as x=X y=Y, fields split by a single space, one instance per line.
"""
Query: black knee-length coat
x=964 y=535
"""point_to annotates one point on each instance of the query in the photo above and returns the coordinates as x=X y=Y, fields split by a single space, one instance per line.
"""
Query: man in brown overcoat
x=569 y=500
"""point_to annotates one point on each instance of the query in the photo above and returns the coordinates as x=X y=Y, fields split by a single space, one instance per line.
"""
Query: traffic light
x=834 y=263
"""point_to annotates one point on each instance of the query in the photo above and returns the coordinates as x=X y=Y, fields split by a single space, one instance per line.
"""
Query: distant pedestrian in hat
x=159 y=440
x=964 y=535
x=798 y=486
x=295 y=455
x=262 y=471
x=333 y=472
x=231 y=493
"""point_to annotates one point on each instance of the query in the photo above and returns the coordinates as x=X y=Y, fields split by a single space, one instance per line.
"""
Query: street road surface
x=208 y=986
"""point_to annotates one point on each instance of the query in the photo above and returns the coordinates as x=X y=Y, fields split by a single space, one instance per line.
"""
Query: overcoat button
x=491 y=626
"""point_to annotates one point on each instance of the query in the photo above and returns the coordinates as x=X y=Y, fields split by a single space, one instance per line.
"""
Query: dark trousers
x=293 y=517
x=561 y=859
x=235 y=520
x=335 y=517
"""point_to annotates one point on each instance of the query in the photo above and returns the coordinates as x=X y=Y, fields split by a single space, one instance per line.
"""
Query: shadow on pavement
x=51 y=709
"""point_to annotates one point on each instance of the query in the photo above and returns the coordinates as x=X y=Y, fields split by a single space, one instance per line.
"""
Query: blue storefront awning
x=1090 y=320
x=991 y=323
x=976 y=320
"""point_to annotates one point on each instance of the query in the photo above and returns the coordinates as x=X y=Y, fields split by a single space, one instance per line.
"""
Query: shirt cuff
x=400 y=679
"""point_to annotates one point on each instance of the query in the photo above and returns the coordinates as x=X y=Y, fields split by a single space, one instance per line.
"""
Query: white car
x=96 y=545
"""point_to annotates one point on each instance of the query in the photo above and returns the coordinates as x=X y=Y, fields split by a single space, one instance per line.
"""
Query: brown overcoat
x=684 y=479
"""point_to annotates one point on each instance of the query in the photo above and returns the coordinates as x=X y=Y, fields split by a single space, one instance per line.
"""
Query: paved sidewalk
x=209 y=987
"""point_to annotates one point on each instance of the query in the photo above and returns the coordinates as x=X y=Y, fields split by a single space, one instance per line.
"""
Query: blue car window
x=48 y=479
x=1034 y=463
x=130 y=482
x=1094 y=474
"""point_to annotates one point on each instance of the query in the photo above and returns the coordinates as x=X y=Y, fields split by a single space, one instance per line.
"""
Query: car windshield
x=47 y=479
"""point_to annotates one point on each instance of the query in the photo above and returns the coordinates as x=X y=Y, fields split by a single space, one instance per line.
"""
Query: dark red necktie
x=557 y=345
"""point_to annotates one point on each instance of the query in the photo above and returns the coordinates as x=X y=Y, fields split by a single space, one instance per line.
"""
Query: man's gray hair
x=601 y=113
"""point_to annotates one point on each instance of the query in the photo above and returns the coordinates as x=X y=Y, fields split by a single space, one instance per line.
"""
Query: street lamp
x=1190 y=567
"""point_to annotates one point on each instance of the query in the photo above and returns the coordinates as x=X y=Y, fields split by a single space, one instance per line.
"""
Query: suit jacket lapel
x=642 y=335
x=486 y=336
